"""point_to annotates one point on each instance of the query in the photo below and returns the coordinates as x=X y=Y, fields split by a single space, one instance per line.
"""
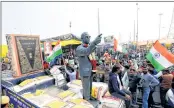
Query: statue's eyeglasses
x=88 y=36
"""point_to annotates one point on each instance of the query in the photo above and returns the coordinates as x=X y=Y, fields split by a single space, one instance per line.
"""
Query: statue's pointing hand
x=97 y=39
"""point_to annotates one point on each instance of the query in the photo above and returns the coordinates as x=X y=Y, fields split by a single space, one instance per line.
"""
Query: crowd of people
x=140 y=75
x=127 y=73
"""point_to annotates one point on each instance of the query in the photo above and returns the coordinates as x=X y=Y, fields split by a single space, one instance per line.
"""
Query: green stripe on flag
x=155 y=63
x=55 y=54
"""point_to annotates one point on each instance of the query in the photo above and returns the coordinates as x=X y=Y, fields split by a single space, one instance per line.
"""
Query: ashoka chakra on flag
x=160 y=57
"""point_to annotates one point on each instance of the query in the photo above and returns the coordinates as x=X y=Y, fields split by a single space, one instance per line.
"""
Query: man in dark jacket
x=116 y=88
x=134 y=79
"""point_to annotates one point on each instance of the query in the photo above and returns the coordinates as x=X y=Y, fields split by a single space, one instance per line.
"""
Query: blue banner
x=17 y=101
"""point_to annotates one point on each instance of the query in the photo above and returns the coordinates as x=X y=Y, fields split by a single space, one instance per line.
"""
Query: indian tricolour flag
x=57 y=51
x=118 y=47
x=160 y=57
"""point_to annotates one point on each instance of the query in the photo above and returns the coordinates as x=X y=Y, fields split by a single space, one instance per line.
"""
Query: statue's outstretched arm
x=82 y=51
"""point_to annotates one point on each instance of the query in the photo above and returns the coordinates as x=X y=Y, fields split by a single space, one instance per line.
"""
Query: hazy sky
x=52 y=19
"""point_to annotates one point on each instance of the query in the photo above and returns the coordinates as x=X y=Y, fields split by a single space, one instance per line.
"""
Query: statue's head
x=85 y=38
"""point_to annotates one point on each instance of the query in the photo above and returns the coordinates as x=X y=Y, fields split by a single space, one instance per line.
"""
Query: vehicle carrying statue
x=85 y=67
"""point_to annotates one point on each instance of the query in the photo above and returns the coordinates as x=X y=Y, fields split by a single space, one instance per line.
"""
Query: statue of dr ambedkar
x=85 y=67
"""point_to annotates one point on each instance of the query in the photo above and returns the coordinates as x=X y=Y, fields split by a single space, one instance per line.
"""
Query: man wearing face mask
x=83 y=51
x=134 y=79
x=147 y=81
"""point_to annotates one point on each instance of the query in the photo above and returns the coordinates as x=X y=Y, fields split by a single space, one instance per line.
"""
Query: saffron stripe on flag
x=163 y=51
x=115 y=44
x=156 y=64
x=160 y=58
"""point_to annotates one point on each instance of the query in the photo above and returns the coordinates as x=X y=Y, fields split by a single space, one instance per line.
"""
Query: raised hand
x=97 y=39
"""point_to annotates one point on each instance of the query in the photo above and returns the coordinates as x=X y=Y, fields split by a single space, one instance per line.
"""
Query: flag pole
x=160 y=24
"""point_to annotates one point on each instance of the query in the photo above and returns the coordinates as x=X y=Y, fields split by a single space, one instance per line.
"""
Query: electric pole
x=160 y=24
x=171 y=29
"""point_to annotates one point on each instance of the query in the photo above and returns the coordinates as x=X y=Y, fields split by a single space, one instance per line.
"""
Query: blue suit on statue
x=83 y=51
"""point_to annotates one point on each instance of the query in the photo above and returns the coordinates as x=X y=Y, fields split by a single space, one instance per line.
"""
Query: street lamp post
x=171 y=25
x=160 y=24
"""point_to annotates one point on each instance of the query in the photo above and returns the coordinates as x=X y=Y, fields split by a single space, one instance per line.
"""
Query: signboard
x=25 y=53
x=29 y=53
x=29 y=49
